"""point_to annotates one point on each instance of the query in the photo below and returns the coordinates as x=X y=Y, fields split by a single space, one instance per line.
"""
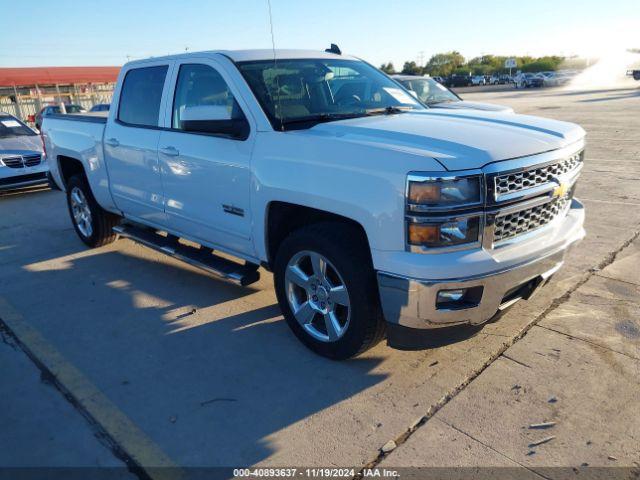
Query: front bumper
x=13 y=178
x=411 y=302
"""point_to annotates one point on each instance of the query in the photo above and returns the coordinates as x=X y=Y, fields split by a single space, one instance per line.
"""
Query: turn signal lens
x=448 y=233
x=443 y=192
x=420 y=234
x=424 y=193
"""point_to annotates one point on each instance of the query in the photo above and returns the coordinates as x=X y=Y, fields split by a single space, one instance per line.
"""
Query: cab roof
x=254 y=55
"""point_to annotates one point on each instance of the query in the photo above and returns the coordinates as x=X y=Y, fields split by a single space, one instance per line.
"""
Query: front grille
x=13 y=162
x=517 y=181
x=524 y=221
x=31 y=160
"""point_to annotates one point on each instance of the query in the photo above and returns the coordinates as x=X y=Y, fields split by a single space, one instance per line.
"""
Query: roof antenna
x=275 y=66
x=334 y=49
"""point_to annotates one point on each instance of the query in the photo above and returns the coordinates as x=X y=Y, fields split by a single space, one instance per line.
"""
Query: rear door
x=206 y=174
x=131 y=142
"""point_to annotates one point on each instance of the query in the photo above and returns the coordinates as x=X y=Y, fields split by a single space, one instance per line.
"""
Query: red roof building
x=22 y=77
x=24 y=91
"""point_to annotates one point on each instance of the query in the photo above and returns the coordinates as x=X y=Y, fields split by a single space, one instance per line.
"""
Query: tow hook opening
x=524 y=291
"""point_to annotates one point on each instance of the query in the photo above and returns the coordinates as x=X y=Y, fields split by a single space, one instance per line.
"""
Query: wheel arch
x=68 y=167
x=282 y=218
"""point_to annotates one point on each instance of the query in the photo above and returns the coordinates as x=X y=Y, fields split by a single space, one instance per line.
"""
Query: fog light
x=447 y=296
x=451 y=295
x=459 y=298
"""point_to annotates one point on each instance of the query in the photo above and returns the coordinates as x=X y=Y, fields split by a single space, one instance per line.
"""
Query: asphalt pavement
x=121 y=355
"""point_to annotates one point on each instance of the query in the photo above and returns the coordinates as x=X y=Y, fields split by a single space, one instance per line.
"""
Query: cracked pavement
x=208 y=374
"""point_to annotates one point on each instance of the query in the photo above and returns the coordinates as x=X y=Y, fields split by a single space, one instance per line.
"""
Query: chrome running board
x=203 y=258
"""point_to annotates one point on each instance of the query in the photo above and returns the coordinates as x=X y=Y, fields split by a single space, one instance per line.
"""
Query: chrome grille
x=516 y=181
x=13 y=162
x=524 y=221
x=31 y=160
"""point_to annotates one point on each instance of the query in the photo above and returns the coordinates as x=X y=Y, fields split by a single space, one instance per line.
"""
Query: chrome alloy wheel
x=317 y=296
x=81 y=212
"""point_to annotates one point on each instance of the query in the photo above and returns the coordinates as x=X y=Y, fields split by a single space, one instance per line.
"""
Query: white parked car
x=375 y=214
x=22 y=160
x=555 y=79
x=478 y=80
x=436 y=95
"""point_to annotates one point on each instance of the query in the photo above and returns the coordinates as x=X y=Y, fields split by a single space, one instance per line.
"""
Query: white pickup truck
x=376 y=214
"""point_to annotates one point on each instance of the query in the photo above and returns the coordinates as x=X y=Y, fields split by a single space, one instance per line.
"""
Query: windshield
x=429 y=91
x=11 y=127
x=301 y=93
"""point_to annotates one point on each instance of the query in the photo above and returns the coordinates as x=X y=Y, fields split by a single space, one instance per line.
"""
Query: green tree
x=411 y=68
x=486 y=64
x=542 y=64
x=444 y=64
x=388 y=68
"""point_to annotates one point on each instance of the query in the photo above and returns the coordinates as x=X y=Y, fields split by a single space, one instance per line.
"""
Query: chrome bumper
x=14 y=183
x=15 y=178
x=412 y=302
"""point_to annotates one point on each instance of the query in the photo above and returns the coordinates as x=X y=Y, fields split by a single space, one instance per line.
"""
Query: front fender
x=361 y=182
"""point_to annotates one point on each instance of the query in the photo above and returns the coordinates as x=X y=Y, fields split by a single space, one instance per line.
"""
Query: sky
x=108 y=32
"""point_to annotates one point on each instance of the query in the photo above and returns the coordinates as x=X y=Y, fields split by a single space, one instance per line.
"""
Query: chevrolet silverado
x=376 y=214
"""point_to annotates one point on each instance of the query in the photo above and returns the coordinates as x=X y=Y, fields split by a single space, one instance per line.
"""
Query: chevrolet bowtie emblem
x=561 y=190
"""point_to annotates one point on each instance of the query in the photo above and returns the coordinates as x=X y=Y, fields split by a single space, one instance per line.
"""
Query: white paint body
x=356 y=168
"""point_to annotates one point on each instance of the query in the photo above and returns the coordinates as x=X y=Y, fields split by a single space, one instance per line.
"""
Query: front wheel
x=327 y=290
x=92 y=223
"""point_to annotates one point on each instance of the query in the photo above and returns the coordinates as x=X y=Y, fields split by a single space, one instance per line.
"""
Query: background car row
x=69 y=108
x=520 y=80
x=22 y=156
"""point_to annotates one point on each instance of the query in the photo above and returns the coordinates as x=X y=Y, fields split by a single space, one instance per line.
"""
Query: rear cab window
x=141 y=96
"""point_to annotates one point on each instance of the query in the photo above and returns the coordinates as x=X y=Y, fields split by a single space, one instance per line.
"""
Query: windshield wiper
x=388 y=110
x=321 y=117
x=330 y=117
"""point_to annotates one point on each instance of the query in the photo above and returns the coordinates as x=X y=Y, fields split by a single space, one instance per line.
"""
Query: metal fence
x=24 y=102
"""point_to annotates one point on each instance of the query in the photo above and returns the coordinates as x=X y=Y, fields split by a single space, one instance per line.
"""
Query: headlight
x=447 y=232
x=430 y=193
x=444 y=210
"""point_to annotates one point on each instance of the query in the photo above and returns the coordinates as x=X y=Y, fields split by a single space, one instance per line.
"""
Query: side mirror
x=202 y=113
x=215 y=120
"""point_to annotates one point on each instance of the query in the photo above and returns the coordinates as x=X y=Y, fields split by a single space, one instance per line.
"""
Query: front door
x=206 y=169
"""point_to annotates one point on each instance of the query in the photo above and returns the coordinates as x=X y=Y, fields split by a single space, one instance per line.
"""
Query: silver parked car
x=22 y=160
x=435 y=95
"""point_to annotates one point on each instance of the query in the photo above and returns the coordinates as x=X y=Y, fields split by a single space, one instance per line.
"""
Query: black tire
x=345 y=248
x=102 y=222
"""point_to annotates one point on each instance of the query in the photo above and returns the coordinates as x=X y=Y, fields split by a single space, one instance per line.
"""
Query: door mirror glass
x=199 y=113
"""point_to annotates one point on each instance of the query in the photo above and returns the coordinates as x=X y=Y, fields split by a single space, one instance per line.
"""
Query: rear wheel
x=92 y=223
x=327 y=290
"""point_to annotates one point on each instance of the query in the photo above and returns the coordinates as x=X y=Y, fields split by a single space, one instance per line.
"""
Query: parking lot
x=122 y=355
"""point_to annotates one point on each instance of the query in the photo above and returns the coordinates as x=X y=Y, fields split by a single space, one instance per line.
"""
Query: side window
x=141 y=95
x=203 y=103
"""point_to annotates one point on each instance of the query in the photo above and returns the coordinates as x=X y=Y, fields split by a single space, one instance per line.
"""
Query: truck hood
x=487 y=107
x=458 y=139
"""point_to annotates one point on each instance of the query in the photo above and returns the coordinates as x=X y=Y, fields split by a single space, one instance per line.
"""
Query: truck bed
x=93 y=117
x=78 y=137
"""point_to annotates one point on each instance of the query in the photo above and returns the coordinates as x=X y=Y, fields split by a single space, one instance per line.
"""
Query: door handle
x=170 y=151
x=112 y=142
